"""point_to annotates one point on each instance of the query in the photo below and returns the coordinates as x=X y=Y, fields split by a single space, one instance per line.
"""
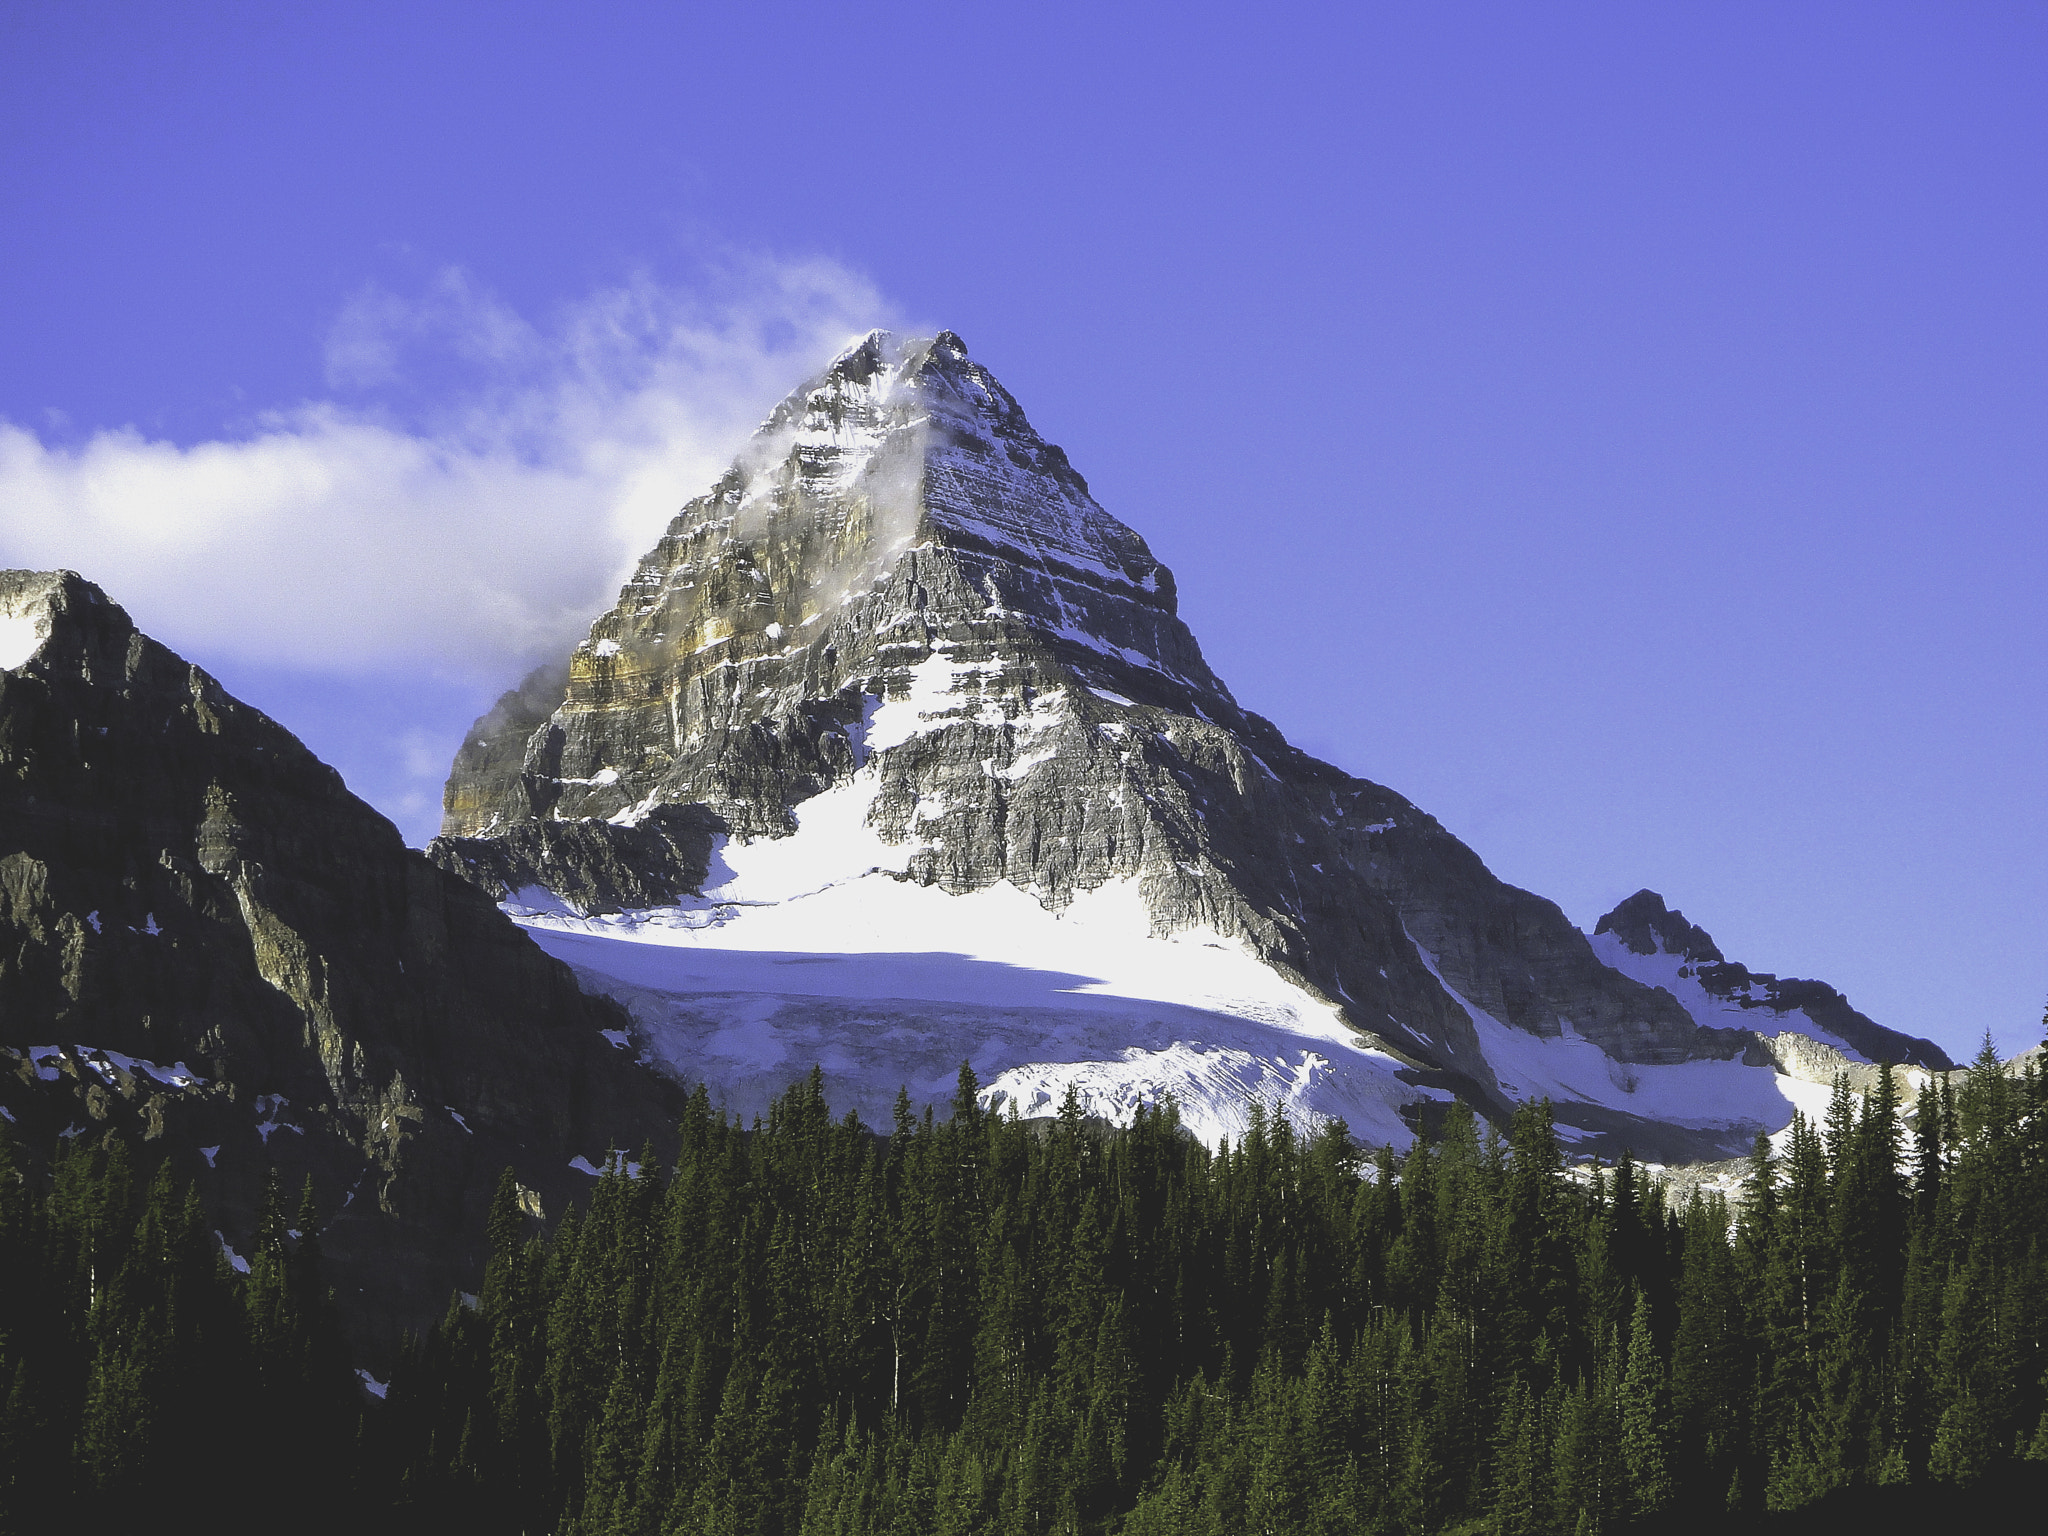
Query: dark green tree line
x=979 y=1325
x=975 y=1324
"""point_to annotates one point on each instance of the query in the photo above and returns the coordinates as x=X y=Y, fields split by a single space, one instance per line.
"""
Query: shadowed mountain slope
x=208 y=942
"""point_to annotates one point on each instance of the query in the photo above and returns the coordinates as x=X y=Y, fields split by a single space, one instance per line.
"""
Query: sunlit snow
x=1676 y=975
x=21 y=636
x=808 y=950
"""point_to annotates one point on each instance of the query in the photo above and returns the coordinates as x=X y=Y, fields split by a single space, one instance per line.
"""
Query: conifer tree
x=1645 y=1420
x=1519 y=1505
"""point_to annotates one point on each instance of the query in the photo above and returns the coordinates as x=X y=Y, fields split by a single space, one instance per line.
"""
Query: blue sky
x=1619 y=428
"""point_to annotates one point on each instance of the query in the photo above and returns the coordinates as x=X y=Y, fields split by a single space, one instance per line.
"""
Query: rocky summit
x=895 y=751
x=1645 y=939
x=210 y=948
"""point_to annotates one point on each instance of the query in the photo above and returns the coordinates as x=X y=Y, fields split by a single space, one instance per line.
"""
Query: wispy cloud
x=469 y=498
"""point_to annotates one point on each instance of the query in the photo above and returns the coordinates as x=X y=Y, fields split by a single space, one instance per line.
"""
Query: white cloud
x=472 y=538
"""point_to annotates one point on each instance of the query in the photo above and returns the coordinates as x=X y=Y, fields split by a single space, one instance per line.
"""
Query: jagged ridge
x=1649 y=931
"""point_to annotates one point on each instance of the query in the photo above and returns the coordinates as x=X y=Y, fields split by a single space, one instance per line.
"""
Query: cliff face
x=206 y=939
x=901 y=591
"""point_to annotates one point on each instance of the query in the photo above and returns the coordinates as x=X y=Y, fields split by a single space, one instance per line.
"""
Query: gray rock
x=592 y=866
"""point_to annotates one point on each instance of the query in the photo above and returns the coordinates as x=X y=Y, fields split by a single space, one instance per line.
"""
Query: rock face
x=897 y=541
x=207 y=940
x=1645 y=939
x=596 y=866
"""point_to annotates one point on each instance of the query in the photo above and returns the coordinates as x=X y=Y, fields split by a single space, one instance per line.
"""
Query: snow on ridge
x=538 y=901
x=47 y=1060
x=1700 y=1095
x=1679 y=976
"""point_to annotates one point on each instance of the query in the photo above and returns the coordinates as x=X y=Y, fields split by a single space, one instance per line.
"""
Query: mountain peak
x=862 y=358
x=1644 y=939
x=899 y=693
x=207 y=938
x=36 y=605
x=1648 y=927
x=896 y=510
x=899 y=703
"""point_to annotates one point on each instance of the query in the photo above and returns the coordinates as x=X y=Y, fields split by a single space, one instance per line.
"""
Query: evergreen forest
x=978 y=1324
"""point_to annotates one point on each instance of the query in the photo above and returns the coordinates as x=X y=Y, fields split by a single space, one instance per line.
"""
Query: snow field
x=807 y=949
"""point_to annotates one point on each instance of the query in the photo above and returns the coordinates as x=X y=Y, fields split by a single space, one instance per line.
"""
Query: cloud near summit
x=470 y=497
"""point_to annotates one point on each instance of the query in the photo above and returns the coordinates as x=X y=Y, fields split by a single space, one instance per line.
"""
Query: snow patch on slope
x=1570 y=1069
x=939 y=693
x=1679 y=976
x=21 y=636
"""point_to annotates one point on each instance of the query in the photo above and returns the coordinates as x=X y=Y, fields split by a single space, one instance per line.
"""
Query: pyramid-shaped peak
x=1648 y=927
x=897 y=509
x=932 y=445
x=884 y=379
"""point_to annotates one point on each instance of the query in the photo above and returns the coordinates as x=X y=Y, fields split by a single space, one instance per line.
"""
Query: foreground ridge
x=208 y=943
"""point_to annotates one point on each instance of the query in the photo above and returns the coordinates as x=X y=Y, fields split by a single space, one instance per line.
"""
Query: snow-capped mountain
x=895 y=751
